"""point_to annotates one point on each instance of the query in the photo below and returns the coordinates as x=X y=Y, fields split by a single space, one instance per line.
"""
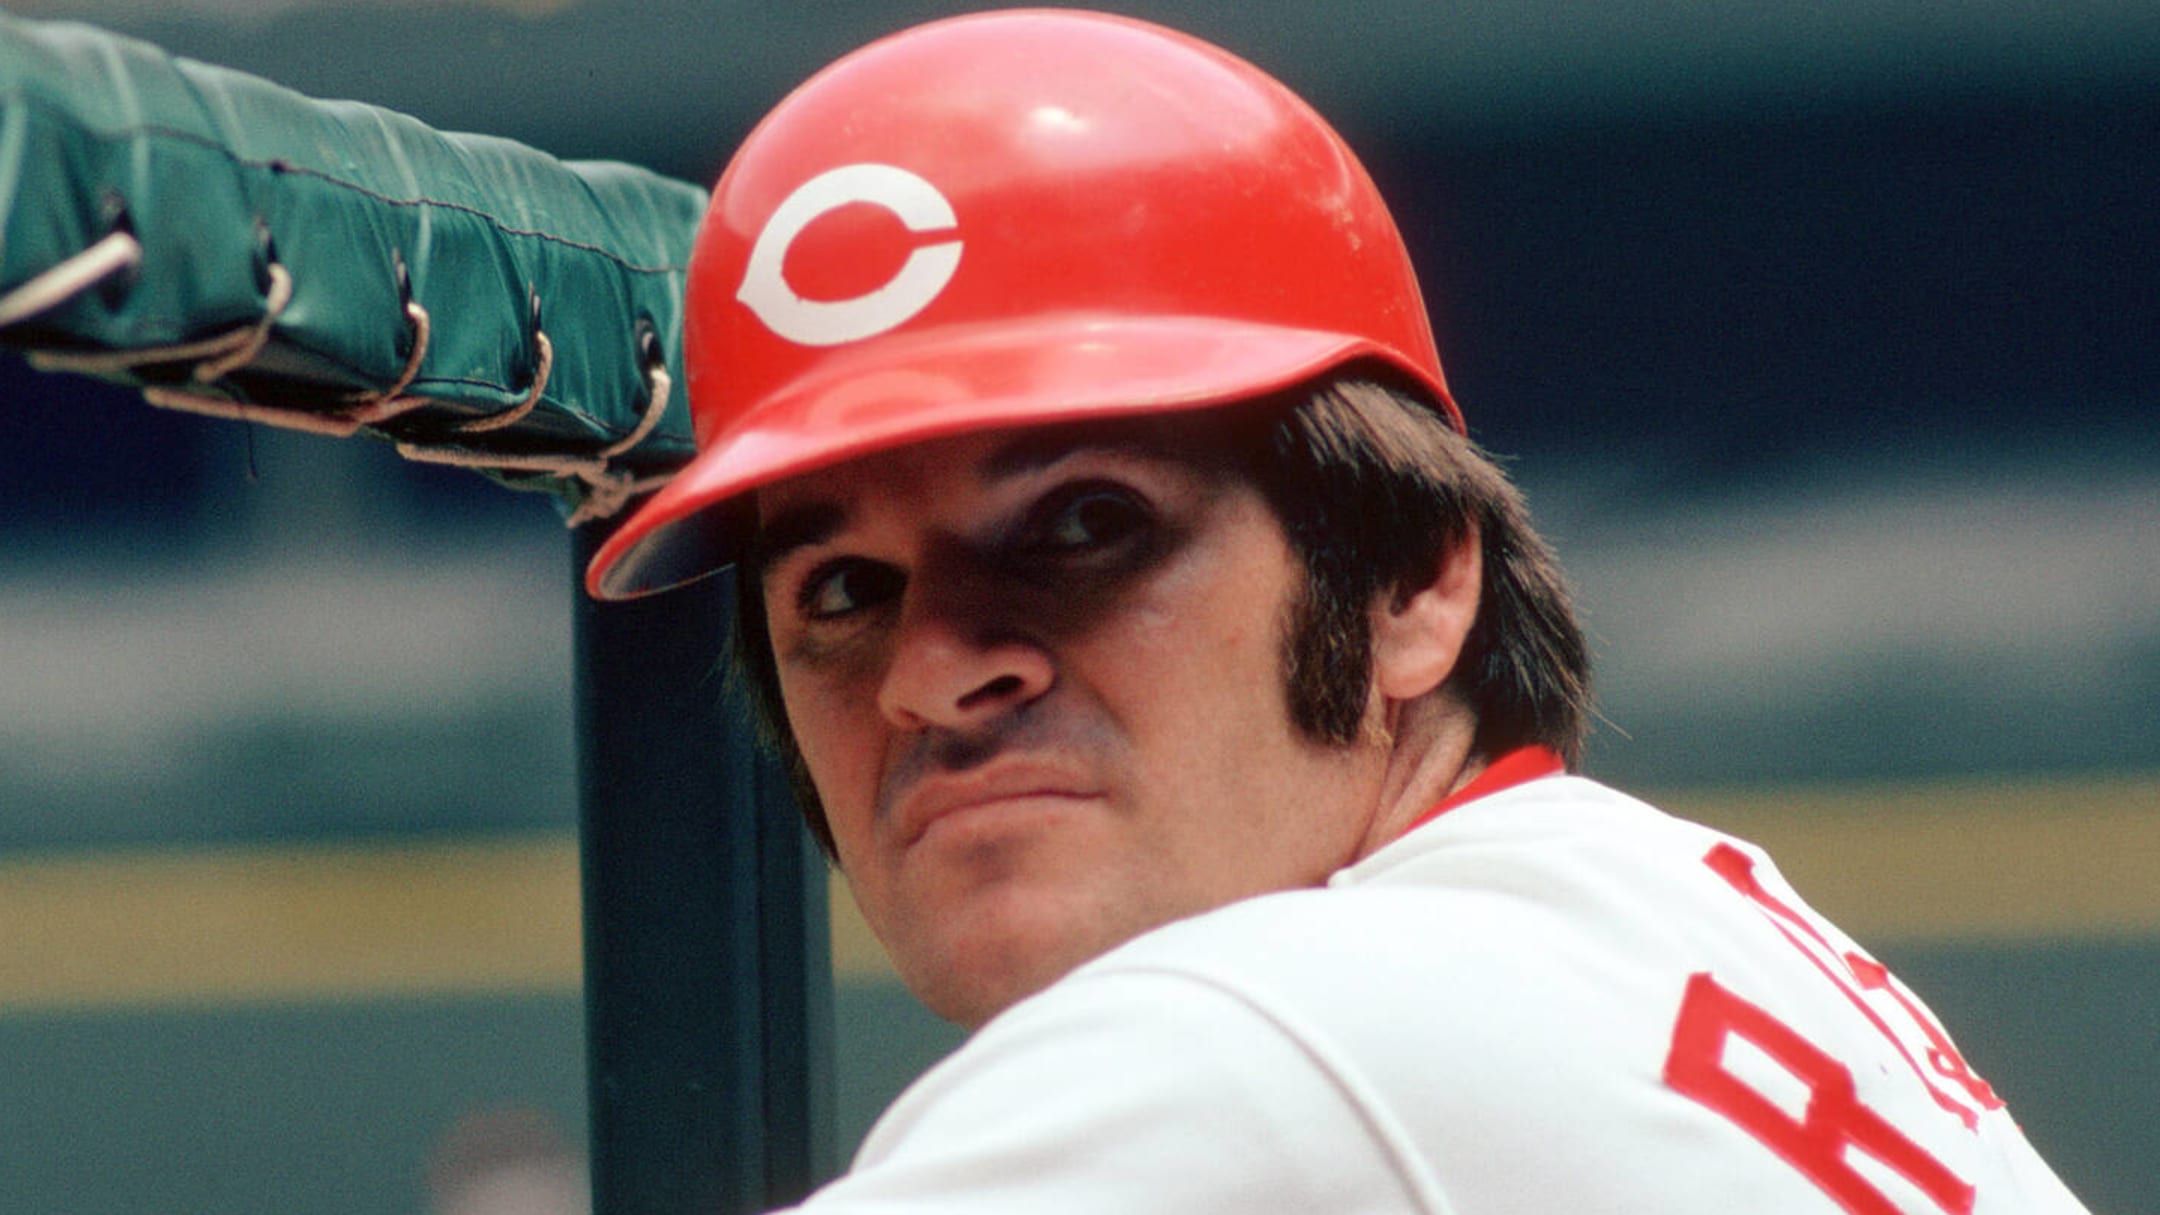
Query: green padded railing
x=231 y=247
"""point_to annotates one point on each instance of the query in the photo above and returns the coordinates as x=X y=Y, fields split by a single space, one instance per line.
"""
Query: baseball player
x=1191 y=707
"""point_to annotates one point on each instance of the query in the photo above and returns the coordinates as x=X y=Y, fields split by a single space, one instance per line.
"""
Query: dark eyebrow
x=815 y=522
x=1031 y=449
x=792 y=528
x=1041 y=446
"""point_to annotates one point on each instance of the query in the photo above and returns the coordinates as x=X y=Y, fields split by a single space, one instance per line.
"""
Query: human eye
x=838 y=588
x=1089 y=516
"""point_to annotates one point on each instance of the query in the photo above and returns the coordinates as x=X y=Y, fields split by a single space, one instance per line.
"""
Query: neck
x=1429 y=757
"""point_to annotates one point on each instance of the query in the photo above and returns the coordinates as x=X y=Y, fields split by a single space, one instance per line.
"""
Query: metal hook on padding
x=279 y=294
x=509 y=417
x=112 y=254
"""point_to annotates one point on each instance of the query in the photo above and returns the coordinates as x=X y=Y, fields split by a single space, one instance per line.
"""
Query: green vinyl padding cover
x=218 y=176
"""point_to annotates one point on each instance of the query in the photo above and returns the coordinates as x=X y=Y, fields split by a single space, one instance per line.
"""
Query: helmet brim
x=951 y=380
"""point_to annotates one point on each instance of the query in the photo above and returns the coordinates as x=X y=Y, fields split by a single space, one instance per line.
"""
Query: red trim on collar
x=1514 y=768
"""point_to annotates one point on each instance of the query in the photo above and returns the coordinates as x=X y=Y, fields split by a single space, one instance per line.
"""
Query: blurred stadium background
x=1823 y=337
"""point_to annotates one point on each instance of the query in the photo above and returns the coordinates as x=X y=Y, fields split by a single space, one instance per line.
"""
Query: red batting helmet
x=1009 y=219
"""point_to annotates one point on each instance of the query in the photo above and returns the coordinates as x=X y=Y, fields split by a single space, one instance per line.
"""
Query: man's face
x=1038 y=684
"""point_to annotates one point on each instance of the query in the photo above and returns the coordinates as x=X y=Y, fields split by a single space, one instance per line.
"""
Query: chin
x=998 y=953
x=971 y=993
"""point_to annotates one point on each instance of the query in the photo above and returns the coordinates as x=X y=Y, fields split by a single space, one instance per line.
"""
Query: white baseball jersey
x=1551 y=999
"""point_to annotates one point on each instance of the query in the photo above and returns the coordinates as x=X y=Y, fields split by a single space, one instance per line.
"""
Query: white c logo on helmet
x=918 y=205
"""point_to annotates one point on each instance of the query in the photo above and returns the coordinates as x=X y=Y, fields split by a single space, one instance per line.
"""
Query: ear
x=1419 y=630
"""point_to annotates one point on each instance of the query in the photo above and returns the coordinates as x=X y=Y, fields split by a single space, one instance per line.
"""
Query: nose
x=948 y=671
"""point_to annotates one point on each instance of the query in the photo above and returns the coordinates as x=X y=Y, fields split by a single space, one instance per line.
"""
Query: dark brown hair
x=1373 y=488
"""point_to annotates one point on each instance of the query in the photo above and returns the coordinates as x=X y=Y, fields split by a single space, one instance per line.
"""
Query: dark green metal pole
x=708 y=987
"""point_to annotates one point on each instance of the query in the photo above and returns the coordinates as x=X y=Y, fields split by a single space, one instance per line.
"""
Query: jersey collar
x=1511 y=769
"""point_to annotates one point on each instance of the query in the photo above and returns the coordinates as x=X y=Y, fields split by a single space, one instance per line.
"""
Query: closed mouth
x=941 y=795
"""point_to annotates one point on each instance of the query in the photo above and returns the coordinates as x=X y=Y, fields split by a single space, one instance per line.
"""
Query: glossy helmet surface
x=1009 y=219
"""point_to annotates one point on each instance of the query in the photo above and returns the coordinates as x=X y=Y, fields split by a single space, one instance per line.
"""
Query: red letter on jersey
x=1856 y=974
x=1835 y=1121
